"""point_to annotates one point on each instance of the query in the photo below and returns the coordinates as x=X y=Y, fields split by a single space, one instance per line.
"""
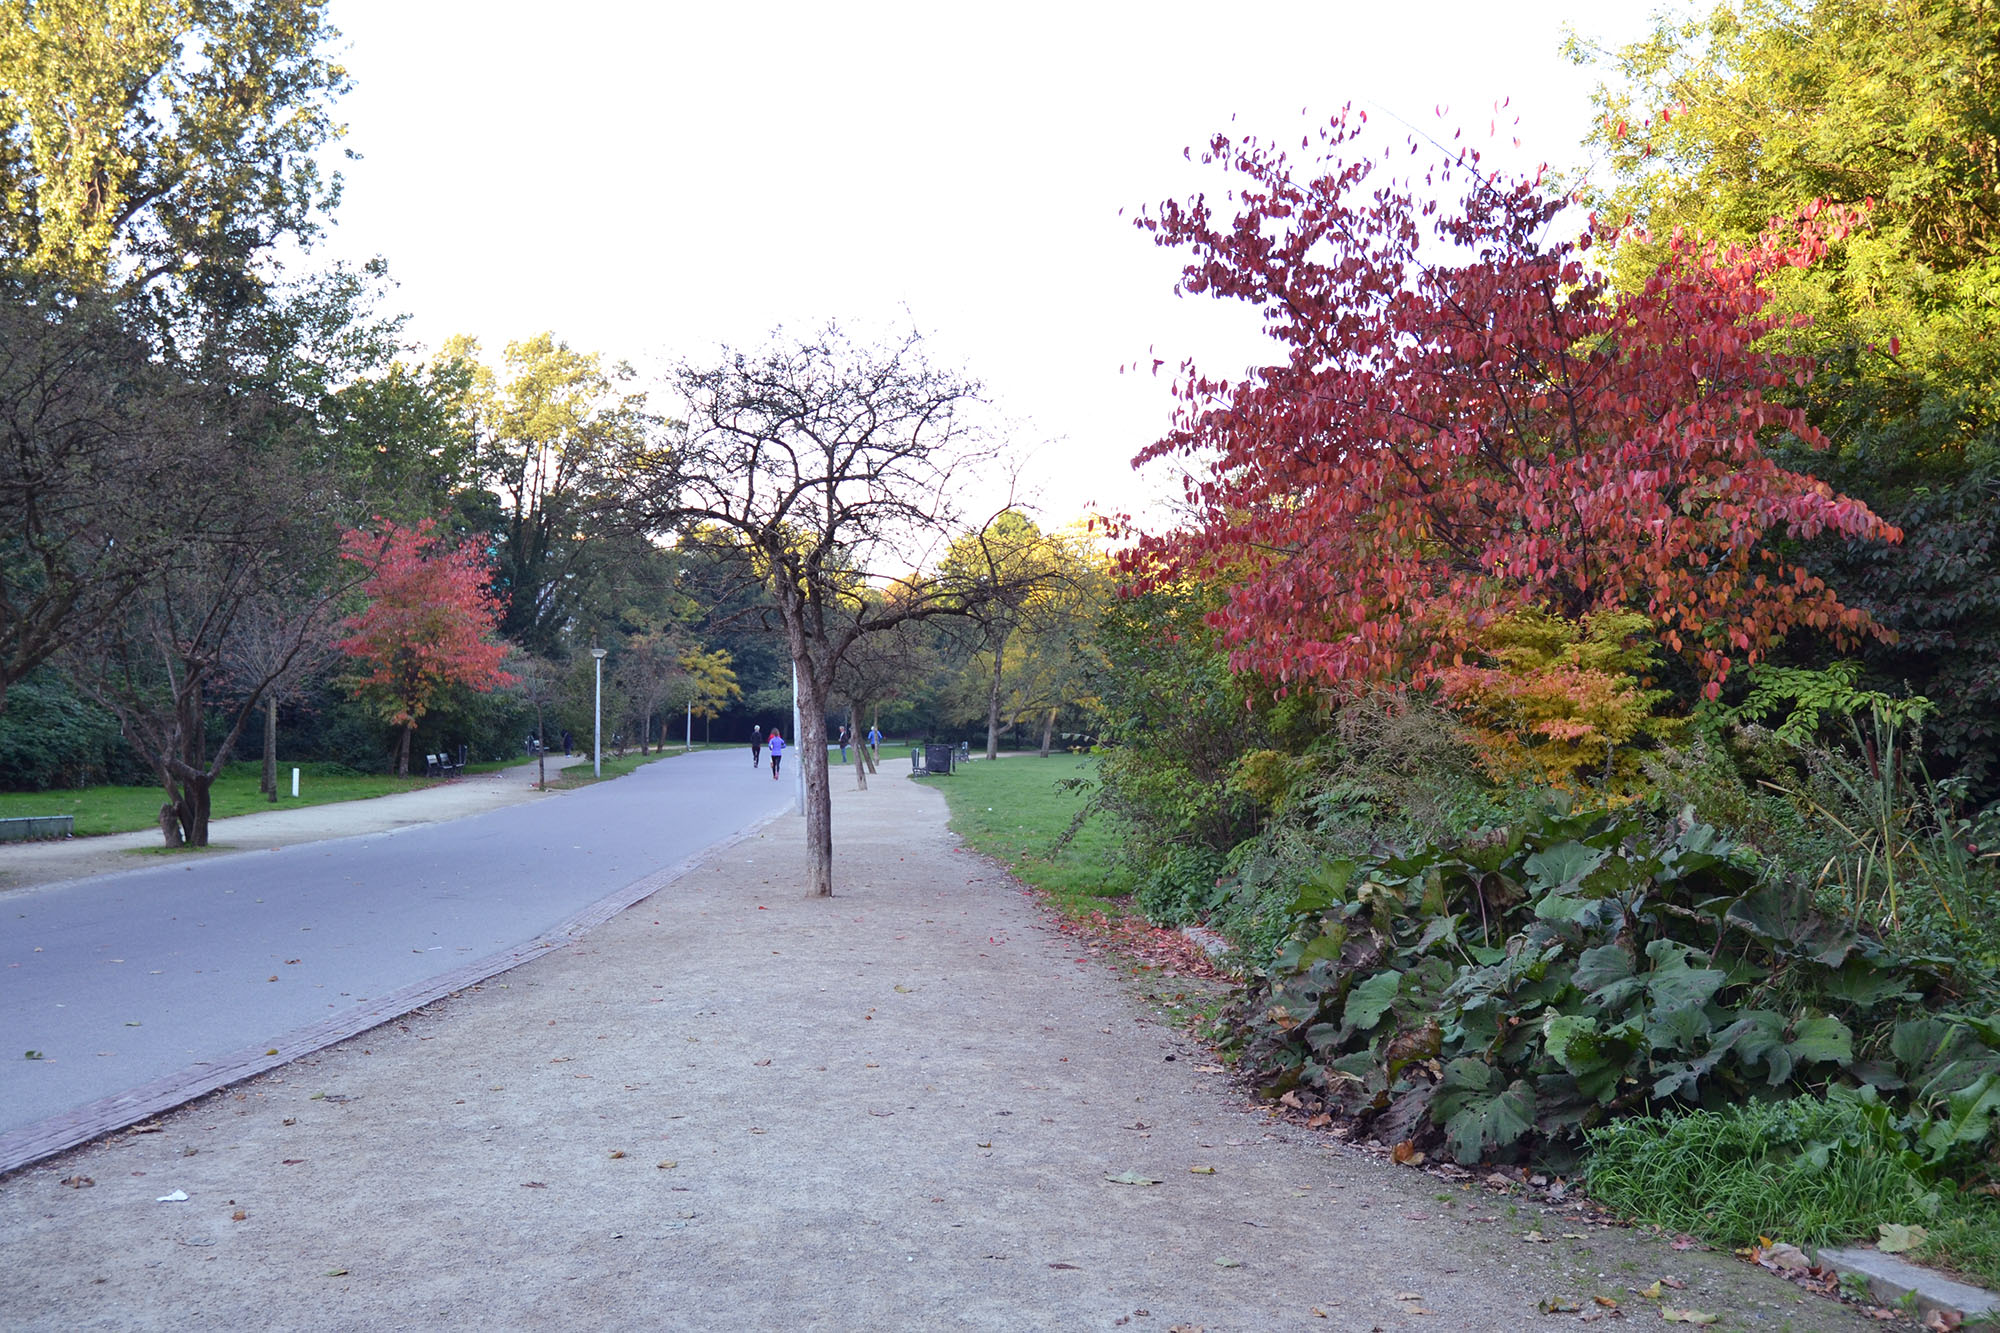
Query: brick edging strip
x=31 y=1143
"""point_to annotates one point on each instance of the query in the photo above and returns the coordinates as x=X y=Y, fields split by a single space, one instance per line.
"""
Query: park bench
x=33 y=828
x=443 y=765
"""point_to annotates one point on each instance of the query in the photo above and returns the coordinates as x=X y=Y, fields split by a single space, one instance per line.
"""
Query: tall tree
x=1750 y=110
x=826 y=469
x=546 y=438
x=428 y=624
x=164 y=146
x=1480 y=425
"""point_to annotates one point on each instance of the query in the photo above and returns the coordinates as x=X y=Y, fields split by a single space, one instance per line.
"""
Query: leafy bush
x=1509 y=992
x=50 y=736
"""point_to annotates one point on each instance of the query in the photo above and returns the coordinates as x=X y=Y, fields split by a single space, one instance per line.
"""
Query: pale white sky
x=649 y=180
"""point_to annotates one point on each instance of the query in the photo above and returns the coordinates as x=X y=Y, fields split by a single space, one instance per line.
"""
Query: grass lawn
x=1012 y=810
x=129 y=809
x=578 y=775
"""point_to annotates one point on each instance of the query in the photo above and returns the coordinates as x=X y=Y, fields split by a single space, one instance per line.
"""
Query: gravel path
x=731 y=1107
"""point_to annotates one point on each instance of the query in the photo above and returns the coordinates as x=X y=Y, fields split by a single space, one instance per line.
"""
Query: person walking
x=843 y=742
x=757 y=744
x=777 y=752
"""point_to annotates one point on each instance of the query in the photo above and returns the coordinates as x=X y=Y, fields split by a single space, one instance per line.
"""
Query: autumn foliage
x=1471 y=423
x=428 y=624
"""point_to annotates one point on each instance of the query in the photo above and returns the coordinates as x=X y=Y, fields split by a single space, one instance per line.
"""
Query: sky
x=653 y=181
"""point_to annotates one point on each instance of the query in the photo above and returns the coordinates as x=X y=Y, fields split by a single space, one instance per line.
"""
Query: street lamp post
x=597 y=739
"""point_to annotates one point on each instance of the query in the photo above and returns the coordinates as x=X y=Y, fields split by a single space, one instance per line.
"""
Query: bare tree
x=833 y=471
x=255 y=529
x=649 y=669
x=288 y=643
x=538 y=682
x=92 y=428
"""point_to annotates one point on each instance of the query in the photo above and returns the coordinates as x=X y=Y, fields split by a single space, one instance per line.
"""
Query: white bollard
x=295 y=783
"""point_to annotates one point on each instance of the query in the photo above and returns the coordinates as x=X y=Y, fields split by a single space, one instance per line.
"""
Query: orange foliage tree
x=1470 y=423
x=428 y=624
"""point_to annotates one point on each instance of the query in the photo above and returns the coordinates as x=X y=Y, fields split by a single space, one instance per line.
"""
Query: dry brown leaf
x=78 y=1182
x=238 y=1215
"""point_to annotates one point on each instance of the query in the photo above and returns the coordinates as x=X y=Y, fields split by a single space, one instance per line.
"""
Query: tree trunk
x=271 y=747
x=541 y=753
x=860 y=746
x=194 y=796
x=993 y=698
x=403 y=751
x=811 y=748
x=1048 y=731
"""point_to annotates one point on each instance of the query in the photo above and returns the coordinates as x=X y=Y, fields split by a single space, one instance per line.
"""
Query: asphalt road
x=123 y=979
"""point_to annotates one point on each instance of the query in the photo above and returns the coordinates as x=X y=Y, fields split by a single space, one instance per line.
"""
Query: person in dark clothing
x=566 y=740
x=756 y=744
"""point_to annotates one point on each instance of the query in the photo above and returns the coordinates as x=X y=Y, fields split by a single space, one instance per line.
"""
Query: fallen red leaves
x=1154 y=946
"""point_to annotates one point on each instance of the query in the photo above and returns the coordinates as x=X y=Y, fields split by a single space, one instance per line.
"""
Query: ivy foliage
x=1502 y=995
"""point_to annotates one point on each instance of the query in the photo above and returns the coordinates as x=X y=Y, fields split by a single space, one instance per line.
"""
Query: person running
x=777 y=752
x=875 y=741
x=757 y=744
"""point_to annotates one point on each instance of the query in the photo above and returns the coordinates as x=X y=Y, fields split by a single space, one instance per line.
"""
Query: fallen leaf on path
x=1785 y=1259
x=150 y=1127
x=986 y=1145
x=78 y=1182
x=1408 y=1296
x=1895 y=1237
x=760 y=1063
x=533 y=1185
x=1068 y=1266
x=1686 y=1243
x=336 y=1272
x=666 y=1166
x=1652 y=1293
x=1557 y=1305
x=1131 y=1178
x=238 y=1216
x=1229 y=1263
x=1673 y=1316
x=1606 y=1302
x=291 y=1161
x=1406 y=1154
x=289 y=1120
x=617 y=1153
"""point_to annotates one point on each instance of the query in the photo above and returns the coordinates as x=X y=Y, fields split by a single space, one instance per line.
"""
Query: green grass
x=1801 y=1170
x=1012 y=810
x=579 y=775
x=100 y=810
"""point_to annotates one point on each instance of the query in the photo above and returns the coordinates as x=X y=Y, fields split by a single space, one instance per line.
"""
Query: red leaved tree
x=1470 y=422
x=428 y=625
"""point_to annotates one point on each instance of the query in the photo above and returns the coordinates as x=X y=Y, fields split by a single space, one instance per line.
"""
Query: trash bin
x=937 y=759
